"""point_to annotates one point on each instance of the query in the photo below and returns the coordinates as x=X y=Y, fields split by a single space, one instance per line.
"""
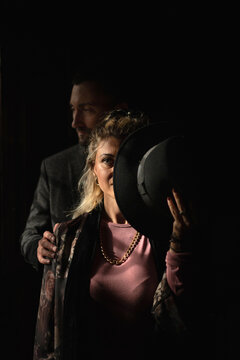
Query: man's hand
x=46 y=248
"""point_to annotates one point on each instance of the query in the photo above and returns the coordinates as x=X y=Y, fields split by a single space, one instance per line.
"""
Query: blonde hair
x=116 y=123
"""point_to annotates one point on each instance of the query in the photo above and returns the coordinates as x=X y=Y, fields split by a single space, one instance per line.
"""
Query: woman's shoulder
x=70 y=226
x=73 y=226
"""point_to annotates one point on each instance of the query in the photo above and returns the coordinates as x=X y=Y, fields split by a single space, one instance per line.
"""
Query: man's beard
x=83 y=138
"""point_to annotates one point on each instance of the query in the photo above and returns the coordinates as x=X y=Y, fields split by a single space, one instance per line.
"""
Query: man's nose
x=77 y=119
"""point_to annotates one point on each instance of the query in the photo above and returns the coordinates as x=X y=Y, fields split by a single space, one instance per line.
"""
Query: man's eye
x=88 y=110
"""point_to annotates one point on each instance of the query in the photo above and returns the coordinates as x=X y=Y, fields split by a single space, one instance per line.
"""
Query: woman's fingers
x=181 y=225
x=179 y=202
x=174 y=210
x=181 y=207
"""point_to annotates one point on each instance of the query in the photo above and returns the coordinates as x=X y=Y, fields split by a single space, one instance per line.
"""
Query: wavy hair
x=116 y=123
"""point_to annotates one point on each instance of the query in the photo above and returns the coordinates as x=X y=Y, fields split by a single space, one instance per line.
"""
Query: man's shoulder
x=68 y=153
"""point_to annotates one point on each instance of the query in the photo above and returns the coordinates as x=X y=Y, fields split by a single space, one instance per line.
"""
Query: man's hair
x=108 y=81
x=116 y=123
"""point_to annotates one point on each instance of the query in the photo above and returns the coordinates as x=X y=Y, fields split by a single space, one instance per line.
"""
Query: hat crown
x=163 y=167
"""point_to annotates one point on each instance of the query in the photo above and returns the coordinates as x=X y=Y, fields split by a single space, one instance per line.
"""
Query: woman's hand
x=182 y=224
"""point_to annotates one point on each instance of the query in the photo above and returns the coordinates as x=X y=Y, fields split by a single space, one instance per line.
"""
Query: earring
x=96 y=180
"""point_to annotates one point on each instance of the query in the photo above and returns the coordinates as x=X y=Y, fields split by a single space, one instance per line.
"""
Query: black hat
x=150 y=163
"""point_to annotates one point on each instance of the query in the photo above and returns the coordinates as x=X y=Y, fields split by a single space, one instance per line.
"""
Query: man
x=56 y=192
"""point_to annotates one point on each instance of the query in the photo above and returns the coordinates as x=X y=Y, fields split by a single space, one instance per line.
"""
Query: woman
x=97 y=296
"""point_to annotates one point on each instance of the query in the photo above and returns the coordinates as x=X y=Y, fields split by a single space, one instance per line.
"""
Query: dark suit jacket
x=55 y=195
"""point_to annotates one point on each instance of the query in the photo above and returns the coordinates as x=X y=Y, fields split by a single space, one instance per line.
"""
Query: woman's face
x=104 y=164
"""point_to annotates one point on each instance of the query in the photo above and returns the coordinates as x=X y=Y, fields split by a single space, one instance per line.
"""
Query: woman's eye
x=108 y=161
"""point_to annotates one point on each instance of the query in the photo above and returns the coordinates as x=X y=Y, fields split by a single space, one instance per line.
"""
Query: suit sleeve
x=39 y=220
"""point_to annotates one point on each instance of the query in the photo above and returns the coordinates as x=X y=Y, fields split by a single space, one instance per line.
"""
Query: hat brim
x=130 y=153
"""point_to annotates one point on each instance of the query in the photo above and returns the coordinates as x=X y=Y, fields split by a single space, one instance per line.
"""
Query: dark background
x=170 y=75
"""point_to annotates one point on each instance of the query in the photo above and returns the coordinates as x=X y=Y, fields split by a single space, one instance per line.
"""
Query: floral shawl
x=50 y=312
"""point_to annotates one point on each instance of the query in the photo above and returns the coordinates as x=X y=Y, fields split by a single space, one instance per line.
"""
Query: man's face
x=87 y=103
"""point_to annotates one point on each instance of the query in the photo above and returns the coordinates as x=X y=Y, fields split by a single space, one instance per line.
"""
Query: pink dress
x=122 y=295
